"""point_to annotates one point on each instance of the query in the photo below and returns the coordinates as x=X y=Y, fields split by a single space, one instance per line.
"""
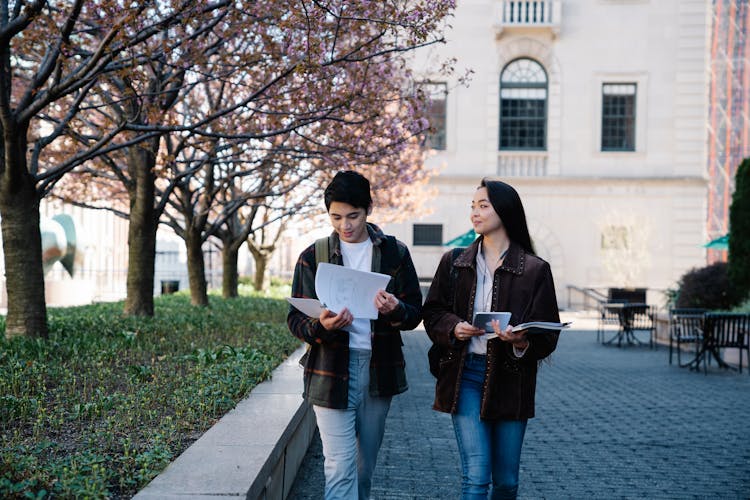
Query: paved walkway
x=611 y=423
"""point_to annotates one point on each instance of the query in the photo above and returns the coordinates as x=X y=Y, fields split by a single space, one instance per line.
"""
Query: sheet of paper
x=338 y=287
x=311 y=307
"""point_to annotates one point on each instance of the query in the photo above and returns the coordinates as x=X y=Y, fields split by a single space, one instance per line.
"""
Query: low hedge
x=104 y=404
x=706 y=287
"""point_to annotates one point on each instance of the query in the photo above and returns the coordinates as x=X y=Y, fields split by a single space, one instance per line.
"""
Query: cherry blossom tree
x=143 y=98
x=323 y=85
x=316 y=88
x=52 y=54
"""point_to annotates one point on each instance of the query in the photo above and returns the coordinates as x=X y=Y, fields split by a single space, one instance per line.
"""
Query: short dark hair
x=507 y=204
x=349 y=187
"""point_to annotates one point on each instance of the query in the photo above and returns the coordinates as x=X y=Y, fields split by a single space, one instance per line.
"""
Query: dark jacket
x=522 y=285
x=327 y=361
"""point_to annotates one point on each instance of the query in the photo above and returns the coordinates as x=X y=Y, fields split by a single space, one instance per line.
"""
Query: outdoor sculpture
x=59 y=243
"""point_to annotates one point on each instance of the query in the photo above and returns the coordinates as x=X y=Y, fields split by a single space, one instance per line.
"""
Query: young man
x=354 y=365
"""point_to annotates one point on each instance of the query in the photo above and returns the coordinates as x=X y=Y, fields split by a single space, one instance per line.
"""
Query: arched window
x=523 y=106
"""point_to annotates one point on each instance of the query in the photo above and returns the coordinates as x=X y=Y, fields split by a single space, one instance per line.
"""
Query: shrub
x=739 y=236
x=706 y=287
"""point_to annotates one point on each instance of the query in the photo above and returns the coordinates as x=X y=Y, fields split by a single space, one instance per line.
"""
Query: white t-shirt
x=358 y=256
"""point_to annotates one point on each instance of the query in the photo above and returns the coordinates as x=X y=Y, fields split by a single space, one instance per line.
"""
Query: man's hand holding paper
x=332 y=321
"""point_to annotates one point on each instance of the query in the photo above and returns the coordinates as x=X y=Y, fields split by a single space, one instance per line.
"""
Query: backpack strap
x=322 y=250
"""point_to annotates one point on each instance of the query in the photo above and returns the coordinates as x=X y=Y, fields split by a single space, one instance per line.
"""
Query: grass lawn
x=104 y=404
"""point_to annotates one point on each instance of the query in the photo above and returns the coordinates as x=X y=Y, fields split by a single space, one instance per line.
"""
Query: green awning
x=462 y=240
x=720 y=243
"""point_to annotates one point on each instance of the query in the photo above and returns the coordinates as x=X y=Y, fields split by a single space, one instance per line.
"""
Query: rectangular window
x=435 y=95
x=618 y=116
x=523 y=118
x=428 y=234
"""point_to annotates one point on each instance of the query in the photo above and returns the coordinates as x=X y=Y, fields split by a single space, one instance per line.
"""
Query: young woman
x=488 y=385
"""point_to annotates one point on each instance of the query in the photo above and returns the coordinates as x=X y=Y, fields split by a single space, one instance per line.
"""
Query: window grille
x=523 y=106
x=428 y=234
x=618 y=116
x=435 y=95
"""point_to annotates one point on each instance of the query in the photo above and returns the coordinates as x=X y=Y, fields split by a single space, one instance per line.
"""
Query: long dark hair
x=508 y=206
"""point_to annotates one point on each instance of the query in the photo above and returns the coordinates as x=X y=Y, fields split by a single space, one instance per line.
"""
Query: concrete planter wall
x=253 y=452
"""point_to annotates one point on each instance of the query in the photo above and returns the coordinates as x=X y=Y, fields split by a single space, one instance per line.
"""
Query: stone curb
x=253 y=452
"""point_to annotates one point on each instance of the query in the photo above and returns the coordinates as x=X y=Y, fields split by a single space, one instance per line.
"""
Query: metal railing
x=590 y=297
x=586 y=297
x=522 y=163
x=531 y=13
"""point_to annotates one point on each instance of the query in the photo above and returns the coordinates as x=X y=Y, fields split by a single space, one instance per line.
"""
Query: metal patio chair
x=724 y=331
x=685 y=327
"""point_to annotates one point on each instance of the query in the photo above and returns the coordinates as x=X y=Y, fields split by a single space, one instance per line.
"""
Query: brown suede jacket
x=523 y=285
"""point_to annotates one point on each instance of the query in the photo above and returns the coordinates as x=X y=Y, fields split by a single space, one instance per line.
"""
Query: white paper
x=544 y=325
x=311 y=307
x=338 y=287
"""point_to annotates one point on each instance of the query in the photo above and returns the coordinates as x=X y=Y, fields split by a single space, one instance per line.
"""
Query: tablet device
x=484 y=320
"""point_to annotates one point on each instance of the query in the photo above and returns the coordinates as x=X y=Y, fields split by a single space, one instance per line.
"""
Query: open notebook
x=538 y=325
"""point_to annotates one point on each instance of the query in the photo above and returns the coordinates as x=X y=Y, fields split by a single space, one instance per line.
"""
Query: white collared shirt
x=483 y=303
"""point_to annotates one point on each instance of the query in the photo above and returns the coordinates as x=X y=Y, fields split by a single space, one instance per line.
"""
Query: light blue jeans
x=490 y=450
x=351 y=438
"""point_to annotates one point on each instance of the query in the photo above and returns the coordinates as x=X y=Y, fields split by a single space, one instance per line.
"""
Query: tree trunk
x=262 y=251
x=261 y=255
x=260 y=282
x=196 y=267
x=22 y=247
x=229 y=256
x=142 y=227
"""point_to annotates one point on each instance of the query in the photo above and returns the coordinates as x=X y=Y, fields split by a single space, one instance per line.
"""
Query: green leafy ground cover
x=103 y=405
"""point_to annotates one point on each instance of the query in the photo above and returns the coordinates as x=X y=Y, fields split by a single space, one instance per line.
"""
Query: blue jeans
x=351 y=438
x=489 y=450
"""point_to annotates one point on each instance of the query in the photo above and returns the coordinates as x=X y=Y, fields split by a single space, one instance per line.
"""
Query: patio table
x=632 y=318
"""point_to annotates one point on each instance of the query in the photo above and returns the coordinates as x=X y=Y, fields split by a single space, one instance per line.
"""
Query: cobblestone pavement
x=611 y=423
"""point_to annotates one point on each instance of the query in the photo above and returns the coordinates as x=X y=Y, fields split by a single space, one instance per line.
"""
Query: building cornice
x=578 y=180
